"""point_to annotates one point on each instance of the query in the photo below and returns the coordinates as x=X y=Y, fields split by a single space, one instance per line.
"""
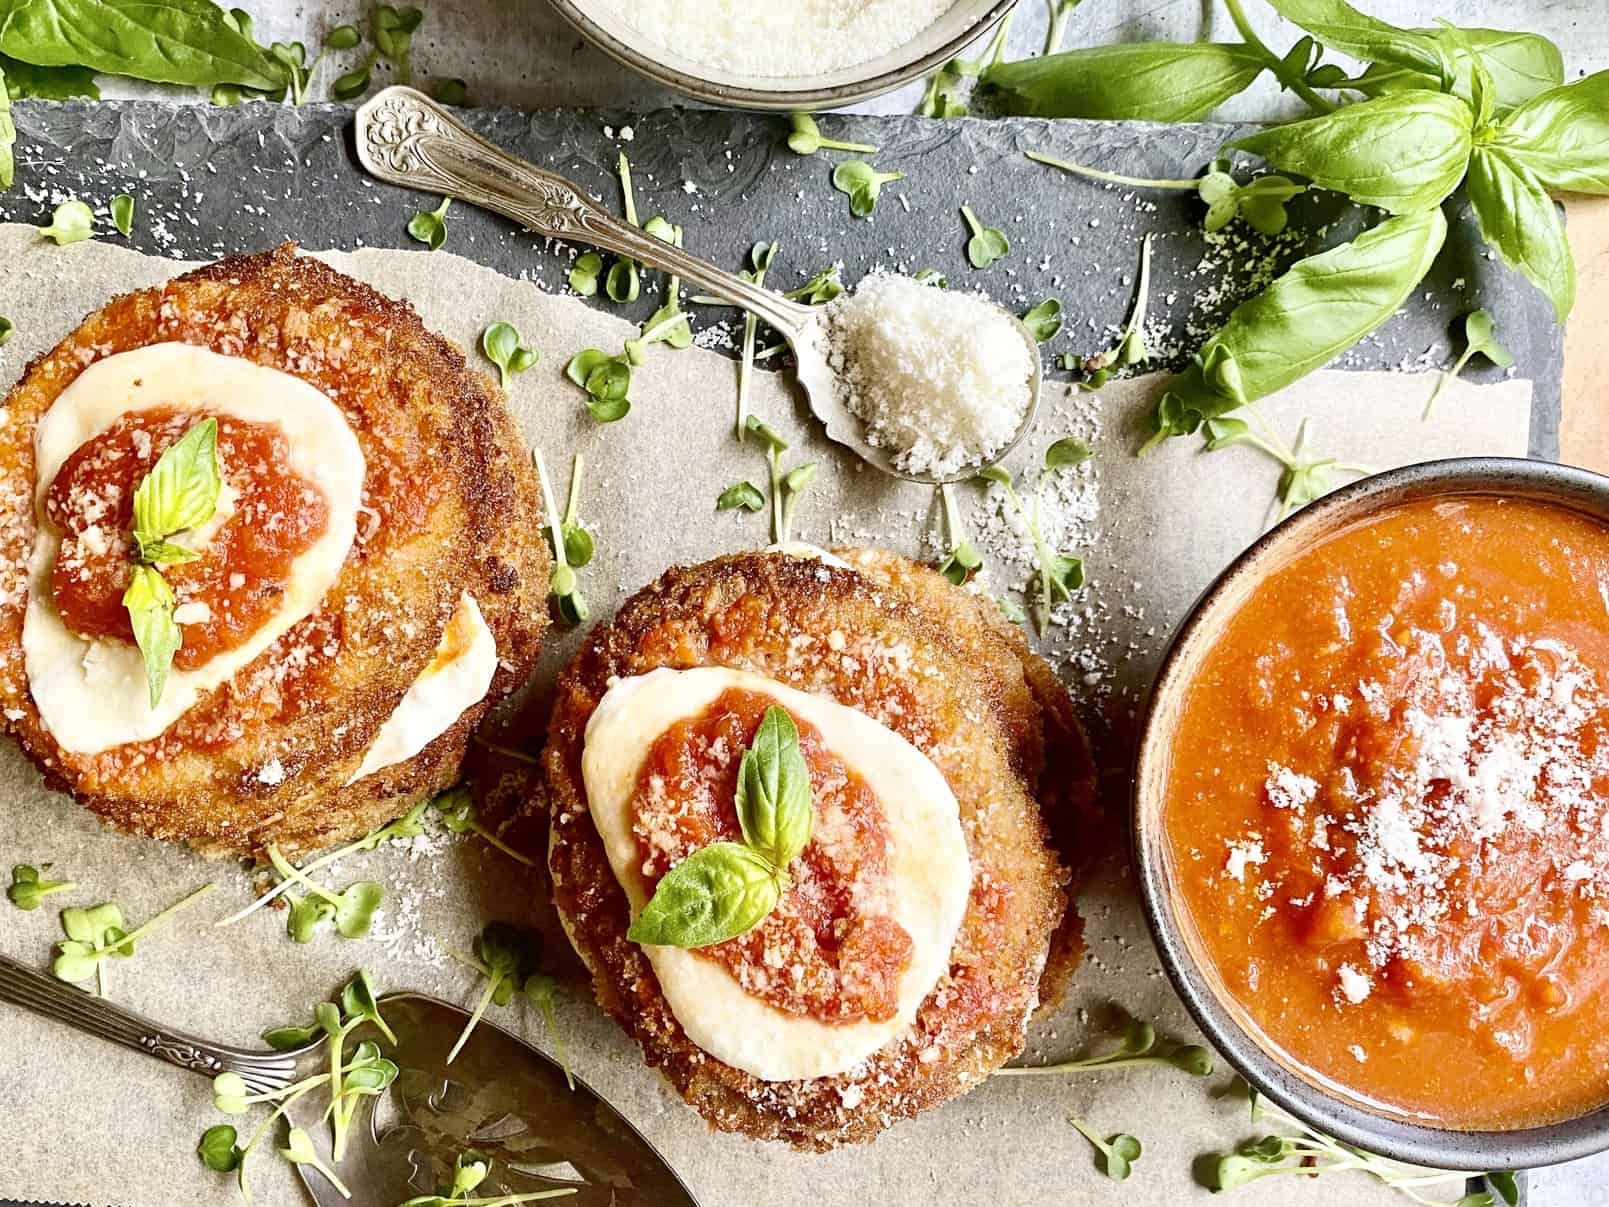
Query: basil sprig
x=727 y=888
x=180 y=492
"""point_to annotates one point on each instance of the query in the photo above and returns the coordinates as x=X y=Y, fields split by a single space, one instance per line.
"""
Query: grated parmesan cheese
x=799 y=38
x=940 y=378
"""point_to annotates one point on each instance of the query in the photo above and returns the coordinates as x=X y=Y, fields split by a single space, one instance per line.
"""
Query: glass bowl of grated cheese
x=793 y=55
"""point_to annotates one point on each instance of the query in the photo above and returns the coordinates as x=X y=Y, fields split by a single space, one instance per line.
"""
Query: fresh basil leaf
x=175 y=42
x=150 y=601
x=1520 y=222
x=1138 y=81
x=8 y=135
x=1341 y=27
x=1522 y=65
x=161 y=553
x=773 y=791
x=1562 y=136
x=1319 y=308
x=717 y=893
x=181 y=491
x=22 y=80
x=1403 y=153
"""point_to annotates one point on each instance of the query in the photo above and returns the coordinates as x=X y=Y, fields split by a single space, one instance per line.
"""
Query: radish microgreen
x=806 y=138
x=98 y=932
x=740 y=496
x=351 y=909
x=218 y=1149
x=622 y=284
x=470 y=1169
x=986 y=244
x=1044 y=320
x=1138 y=1047
x=1260 y=203
x=430 y=226
x=541 y=988
x=501 y=343
x=785 y=487
x=761 y=257
x=567 y=597
x=1130 y=347
x=1057 y=576
x=1303 y=477
x=942 y=97
x=963 y=559
x=393 y=30
x=122 y=207
x=29 y=888
x=584 y=273
x=505 y=955
x=606 y=379
x=7 y=329
x=1480 y=339
x=71 y=222
x=299 y=1150
x=456 y=807
x=820 y=289
x=861 y=183
x=1117 y=1154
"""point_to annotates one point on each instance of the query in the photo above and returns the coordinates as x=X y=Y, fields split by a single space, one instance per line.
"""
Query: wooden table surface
x=1584 y=432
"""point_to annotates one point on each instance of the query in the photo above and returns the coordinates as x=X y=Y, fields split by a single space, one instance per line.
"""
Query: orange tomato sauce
x=1387 y=811
x=830 y=950
x=276 y=516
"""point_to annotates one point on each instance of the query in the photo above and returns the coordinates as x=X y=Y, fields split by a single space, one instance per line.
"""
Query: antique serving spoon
x=403 y=137
x=501 y=1098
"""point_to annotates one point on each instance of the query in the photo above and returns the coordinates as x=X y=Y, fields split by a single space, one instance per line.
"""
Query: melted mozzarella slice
x=929 y=872
x=92 y=695
x=458 y=677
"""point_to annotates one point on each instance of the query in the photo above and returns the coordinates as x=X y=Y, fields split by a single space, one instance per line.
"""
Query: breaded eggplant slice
x=937 y=666
x=449 y=504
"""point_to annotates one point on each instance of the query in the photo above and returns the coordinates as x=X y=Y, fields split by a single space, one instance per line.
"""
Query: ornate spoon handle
x=403 y=137
x=44 y=994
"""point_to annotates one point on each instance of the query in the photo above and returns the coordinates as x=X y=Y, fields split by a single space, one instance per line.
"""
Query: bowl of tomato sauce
x=1371 y=813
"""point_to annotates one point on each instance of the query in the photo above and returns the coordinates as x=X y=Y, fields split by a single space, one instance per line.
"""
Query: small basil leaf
x=150 y=602
x=717 y=893
x=773 y=791
x=182 y=489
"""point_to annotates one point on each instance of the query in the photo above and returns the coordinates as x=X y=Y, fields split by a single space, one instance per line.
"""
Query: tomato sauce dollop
x=268 y=516
x=1387 y=811
x=830 y=950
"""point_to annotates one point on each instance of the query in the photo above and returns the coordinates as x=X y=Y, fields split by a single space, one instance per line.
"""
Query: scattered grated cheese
x=940 y=378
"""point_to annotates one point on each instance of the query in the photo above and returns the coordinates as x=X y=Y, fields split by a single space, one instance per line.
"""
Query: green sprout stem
x=367 y=843
x=1447 y=376
x=1060 y=11
x=493 y=980
x=155 y=920
x=290 y=1100
x=745 y=364
x=779 y=514
x=833 y=144
x=1137 y=182
x=293 y=875
x=1295 y=83
x=624 y=167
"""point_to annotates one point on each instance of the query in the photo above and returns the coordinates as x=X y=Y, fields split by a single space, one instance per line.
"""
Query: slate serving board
x=211 y=181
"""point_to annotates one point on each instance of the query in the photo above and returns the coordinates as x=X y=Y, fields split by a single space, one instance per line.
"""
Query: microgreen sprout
x=942 y=97
x=820 y=289
x=1480 y=338
x=470 y=1169
x=122 y=207
x=567 y=597
x=785 y=487
x=861 y=183
x=1304 y=477
x=761 y=257
x=453 y=92
x=541 y=988
x=1311 y=1154
x=406 y=826
x=71 y=222
x=343 y=37
x=740 y=496
x=584 y=273
x=218 y=1149
x=1044 y=320
x=1130 y=346
x=354 y=83
x=456 y=808
x=1117 y=1154
x=94 y=934
x=1138 y=1047
x=986 y=244
x=1259 y=202
x=393 y=30
x=963 y=559
x=29 y=888
x=505 y=955
x=7 y=329
x=606 y=379
x=933 y=277
x=430 y=226
x=1057 y=576
x=501 y=343
x=299 y=1150
x=806 y=138
x=622 y=284
x=669 y=323
x=351 y=909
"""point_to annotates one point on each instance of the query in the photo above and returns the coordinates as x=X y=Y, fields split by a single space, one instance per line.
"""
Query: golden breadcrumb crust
x=941 y=668
x=450 y=504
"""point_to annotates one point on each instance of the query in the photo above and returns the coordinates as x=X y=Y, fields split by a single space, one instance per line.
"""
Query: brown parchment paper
x=86 y=1121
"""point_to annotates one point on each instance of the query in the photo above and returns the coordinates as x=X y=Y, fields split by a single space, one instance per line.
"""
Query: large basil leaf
x=1318 y=309
x=1139 y=81
x=1522 y=65
x=168 y=42
x=716 y=893
x=47 y=83
x=1519 y=220
x=773 y=791
x=1403 y=153
x=1341 y=27
x=8 y=136
x=1562 y=136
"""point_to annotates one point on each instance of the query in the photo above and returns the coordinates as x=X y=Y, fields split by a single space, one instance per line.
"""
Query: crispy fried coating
x=450 y=504
x=938 y=666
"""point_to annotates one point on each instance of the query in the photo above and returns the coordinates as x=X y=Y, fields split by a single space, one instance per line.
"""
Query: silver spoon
x=405 y=138
x=501 y=1097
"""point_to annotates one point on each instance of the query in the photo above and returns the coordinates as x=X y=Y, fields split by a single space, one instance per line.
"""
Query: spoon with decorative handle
x=405 y=138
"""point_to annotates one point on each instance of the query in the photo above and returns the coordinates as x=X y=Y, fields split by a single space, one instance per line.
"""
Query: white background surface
x=519 y=53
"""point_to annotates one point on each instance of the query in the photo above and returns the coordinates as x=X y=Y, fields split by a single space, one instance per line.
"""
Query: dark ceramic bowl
x=1327 y=1107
